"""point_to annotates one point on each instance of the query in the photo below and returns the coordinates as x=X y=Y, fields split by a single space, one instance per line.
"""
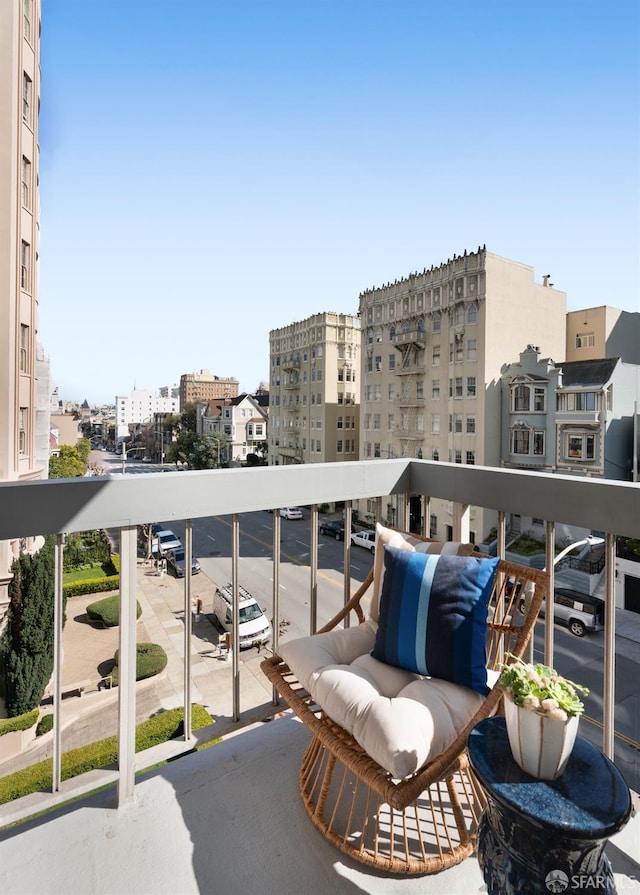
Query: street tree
x=68 y=464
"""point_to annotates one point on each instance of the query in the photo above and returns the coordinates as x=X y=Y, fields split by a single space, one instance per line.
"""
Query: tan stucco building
x=20 y=458
x=594 y=333
x=205 y=386
x=313 y=390
x=433 y=346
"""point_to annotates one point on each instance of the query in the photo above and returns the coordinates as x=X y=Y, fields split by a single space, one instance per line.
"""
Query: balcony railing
x=123 y=502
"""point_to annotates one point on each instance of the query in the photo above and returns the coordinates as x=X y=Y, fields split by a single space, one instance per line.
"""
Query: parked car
x=332 y=527
x=176 y=562
x=164 y=541
x=365 y=538
x=254 y=627
x=579 y=612
x=291 y=512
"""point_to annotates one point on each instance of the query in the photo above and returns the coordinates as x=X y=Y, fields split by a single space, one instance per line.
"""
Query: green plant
x=45 y=724
x=19 y=722
x=541 y=689
x=151 y=659
x=107 y=611
x=159 y=729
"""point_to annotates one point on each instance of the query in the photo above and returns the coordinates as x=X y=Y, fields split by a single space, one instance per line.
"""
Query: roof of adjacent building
x=588 y=372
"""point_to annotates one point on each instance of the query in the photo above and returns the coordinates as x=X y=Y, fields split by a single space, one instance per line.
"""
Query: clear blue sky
x=213 y=170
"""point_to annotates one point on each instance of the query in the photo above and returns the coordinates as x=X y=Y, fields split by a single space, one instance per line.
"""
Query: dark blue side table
x=541 y=836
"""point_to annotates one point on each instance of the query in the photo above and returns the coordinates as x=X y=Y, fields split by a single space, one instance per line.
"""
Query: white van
x=255 y=628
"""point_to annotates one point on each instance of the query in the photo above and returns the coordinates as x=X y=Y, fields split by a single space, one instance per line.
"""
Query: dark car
x=176 y=562
x=332 y=527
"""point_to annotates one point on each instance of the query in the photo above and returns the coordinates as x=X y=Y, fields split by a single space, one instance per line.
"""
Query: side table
x=541 y=836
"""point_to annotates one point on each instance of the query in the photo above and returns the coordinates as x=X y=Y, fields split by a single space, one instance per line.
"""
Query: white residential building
x=140 y=407
x=243 y=422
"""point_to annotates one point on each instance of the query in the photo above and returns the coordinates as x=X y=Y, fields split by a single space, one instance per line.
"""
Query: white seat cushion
x=401 y=719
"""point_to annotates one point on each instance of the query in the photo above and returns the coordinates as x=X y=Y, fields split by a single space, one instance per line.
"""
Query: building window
x=435 y=388
x=370 y=364
x=433 y=526
x=580 y=446
x=420 y=423
x=437 y=322
x=390 y=422
x=376 y=449
x=435 y=454
x=392 y=391
x=25 y=266
x=539 y=399
x=585 y=340
x=471 y=425
x=27 y=98
x=472 y=350
x=420 y=390
x=376 y=420
x=458 y=457
x=370 y=337
x=472 y=313
x=392 y=361
x=435 y=423
x=520 y=399
x=471 y=386
x=585 y=401
x=458 y=423
x=538 y=443
x=339 y=446
x=24 y=348
x=458 y=386
x=435 y=356
x=26 y=182
x=27 y=10
x=471 y=458
x=339 y=423
x=378 y=335
x=520 y=441
x=22 y=430
x=377 y=392
x=392 y=333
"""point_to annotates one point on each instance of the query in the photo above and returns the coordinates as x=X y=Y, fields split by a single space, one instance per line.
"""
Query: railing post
x=235 y=585
x=277 y=523
x=58 y=614
x=127 y=665
x=188 y=627
x=609 y=685
x=347 y=516
x=550 y=551
x=313 y=572
x=461 y=517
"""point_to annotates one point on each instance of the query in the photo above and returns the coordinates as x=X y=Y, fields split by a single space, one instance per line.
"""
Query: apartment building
x=20 y=457
x=603 y=332
x=433 y=347
x=140 y=407
x=205 y=386
x=314 y=414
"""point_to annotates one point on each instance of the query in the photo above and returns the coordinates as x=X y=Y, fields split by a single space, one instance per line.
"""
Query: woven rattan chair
x=427 y=821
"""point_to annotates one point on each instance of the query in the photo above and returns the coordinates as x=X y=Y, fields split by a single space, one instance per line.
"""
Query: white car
x=163 y=541
x=291 y=512
x=366 y=539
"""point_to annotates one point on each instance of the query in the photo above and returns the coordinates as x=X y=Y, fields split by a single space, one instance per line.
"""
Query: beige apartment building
x=595 y=333
x=314 y=414
x=433 y=346
x=205 y=386
x=19 y=227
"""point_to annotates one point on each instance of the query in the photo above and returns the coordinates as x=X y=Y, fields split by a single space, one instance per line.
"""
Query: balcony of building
x=229 y=817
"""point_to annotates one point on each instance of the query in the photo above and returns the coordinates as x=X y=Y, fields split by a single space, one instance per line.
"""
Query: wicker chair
x=427 y=821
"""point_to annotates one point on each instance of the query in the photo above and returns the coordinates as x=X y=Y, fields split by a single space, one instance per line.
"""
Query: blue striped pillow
x=433 y=615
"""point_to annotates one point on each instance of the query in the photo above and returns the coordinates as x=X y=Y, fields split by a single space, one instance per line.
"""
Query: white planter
x=541 y=746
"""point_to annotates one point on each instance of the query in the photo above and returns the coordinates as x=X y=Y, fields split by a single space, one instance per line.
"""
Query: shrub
x=91 y=586
x=20 y=722
x=151 y=659
x=45 y=724
x=159 y=729
x=107 y=611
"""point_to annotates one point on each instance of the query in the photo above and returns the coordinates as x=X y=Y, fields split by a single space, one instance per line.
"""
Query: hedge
x=159 y=729
x=19 y=722
x=45 y=724
x=151 y=659
x=107 y=611
x=91 y=586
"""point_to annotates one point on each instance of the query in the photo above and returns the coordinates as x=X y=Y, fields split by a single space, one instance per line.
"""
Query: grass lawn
x=84 y=574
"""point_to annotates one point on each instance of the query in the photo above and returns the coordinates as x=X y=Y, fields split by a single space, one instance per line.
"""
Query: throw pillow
x=406 y=541
x=433 y=615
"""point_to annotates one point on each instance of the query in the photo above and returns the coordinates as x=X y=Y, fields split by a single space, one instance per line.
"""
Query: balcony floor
x=226 y=819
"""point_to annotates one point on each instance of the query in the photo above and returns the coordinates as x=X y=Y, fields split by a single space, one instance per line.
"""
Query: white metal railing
x=63 y=506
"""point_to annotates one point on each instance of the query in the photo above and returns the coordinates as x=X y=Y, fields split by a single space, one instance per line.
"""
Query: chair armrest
x=352 y=605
